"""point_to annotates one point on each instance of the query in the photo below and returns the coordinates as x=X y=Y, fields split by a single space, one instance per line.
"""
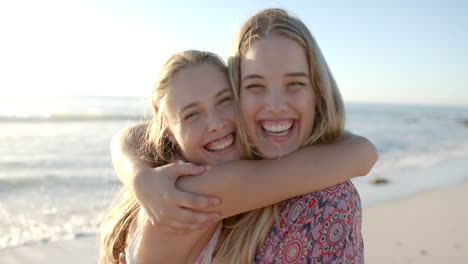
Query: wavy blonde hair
x=155 y=147
x=244 y=234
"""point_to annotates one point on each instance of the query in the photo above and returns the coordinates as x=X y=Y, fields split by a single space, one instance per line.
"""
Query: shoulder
x=310 y=211
x=308 y=223
x=292 y=209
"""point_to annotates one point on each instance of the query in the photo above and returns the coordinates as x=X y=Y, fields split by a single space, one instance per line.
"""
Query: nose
x=276 y=102
x=216 y=121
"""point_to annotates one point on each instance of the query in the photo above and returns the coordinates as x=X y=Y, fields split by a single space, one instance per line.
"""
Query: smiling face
x=200 y=115
x=276 y=96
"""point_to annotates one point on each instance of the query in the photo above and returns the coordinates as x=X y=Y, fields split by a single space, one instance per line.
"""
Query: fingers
x=173 y=209
x=194 y=201
x=172 y=230
x=181 y=229
x=177 y=216
x=184 y=169
x=184 y=220
x=190 y=217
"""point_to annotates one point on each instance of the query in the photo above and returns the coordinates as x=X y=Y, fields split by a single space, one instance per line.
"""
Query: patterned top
x=320 y=227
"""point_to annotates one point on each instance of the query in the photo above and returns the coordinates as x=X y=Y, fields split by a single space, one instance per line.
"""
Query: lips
x=277 y=128
x=220 y=144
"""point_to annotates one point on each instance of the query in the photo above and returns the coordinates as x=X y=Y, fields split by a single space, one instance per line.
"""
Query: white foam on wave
x=416 y=158
x=25 y=221
x=414 y=175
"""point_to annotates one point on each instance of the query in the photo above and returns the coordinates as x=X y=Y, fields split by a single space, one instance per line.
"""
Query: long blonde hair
x=244 y=235
x=155 y=147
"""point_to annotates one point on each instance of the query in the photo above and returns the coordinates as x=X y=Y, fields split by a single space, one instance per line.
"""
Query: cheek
x=249 y=118
x=188 y=134
x=306 y=105
x=249 y=106
x=229 y=112
x=306 y=100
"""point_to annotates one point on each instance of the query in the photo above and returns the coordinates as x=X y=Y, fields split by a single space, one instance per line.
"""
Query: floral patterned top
x=320 y=227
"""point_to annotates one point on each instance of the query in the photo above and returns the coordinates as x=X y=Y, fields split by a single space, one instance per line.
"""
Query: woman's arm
x=246 y=185
x=241 y=185
x=124 y=152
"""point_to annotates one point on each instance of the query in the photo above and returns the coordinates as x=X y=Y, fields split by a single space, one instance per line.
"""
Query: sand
x=79 y=251
x=430 y=227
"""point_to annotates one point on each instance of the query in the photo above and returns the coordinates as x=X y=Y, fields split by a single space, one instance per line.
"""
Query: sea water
x=56 y=175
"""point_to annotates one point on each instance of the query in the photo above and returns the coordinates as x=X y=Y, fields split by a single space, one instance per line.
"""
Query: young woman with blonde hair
x=126 y=234
x=289 y=100
x=283 y=78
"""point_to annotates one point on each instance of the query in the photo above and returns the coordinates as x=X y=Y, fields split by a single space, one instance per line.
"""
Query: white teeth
x=278 y=128
x=284 y=133
x=221 y=144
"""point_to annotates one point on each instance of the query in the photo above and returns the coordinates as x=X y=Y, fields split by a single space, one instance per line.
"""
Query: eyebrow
x=252 y=76
x=223 y=91
x=188 y=106
x=195 y=104
x=292 y=74
x=297 y=74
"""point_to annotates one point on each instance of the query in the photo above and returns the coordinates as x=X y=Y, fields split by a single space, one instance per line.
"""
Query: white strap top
x=133 y=249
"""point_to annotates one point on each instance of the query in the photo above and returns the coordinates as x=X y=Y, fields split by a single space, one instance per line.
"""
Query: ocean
x=56 y=175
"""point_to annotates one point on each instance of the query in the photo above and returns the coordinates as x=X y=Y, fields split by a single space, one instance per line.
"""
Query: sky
x=408 y=52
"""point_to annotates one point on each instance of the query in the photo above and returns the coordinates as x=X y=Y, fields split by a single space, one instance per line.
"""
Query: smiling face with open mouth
x=276 y=95
x=201 y=116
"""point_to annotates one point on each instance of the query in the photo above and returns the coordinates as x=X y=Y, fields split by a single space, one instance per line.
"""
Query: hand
x=166 y=206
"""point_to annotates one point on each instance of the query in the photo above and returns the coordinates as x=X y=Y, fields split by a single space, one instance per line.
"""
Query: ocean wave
x=27 y=239
x=26 y=183
x=419 y=159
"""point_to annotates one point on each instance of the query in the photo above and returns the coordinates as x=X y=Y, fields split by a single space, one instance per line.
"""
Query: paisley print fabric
x=320 y=227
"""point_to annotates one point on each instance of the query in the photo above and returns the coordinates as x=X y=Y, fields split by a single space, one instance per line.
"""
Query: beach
x=429 y=227
x=77 y=251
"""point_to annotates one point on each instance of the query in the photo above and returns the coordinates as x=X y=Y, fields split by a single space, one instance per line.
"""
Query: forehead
x=274 y=54
x=196 y=84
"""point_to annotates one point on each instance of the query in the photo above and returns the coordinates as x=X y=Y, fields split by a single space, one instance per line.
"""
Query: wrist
x=138 y=176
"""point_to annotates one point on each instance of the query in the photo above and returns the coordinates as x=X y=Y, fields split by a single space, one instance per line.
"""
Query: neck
x=203 y=240
x=159 y=246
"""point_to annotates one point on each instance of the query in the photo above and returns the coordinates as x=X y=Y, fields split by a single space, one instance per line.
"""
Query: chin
x=273 y=153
